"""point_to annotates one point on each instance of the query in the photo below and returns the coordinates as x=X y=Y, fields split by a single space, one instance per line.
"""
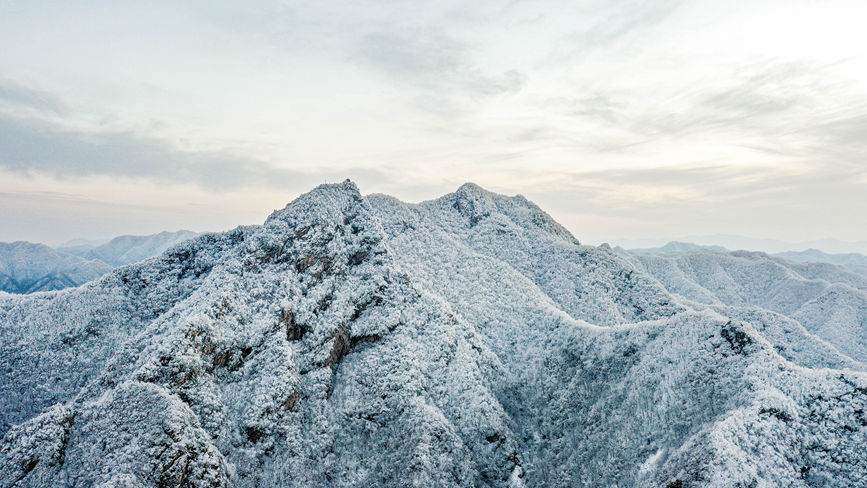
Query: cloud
x=419 y=52
x=29 y=146
x=625 y=108
x=682 y=190
x=770 y=97
x=433 y=60
x=785 y=203
x=769 y=112
x=616 y=20
x=20 y=96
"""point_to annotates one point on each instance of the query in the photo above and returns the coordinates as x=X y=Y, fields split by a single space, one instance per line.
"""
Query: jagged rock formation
x=361 y=341
x=26 y=267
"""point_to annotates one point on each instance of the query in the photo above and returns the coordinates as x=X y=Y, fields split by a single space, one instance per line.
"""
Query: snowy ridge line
x=29 y=268
x=410 y=222
x=830 y=356
x=359 y=341
x=828 y=300
x=128 y=249
x=833 y=356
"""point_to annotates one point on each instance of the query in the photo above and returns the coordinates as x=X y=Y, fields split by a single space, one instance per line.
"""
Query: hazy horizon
x=624 y=121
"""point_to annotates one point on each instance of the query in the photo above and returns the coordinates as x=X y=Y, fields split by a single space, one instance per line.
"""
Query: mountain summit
x=362 y=341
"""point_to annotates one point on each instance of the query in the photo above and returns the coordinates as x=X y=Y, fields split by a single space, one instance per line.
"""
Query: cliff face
x=361 y=341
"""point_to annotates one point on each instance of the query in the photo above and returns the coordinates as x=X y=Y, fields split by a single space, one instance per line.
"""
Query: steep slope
x=617 y=405
x=840 y=315
x=292 y=353
x=125 y=250
x=27 y=267
x=351 y=341
x=588 y=283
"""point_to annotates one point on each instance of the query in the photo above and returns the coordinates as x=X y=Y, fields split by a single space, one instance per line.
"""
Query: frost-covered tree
x=466 y=341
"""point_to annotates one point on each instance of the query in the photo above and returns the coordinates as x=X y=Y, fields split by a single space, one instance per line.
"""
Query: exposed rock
x=469 y=341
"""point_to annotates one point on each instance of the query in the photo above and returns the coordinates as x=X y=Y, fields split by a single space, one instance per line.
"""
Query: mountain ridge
x=128 y=249
x=829 y=300
x=852 y=261
x=767 y=245
x=27 y=267
x=358 y=341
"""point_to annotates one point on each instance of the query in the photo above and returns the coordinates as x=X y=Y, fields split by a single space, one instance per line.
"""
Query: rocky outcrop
x=361 y=341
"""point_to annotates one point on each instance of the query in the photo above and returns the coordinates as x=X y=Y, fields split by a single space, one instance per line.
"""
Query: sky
x=625 y=120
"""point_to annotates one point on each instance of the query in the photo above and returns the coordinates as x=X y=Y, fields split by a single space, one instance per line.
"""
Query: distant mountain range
x=852 y=261
x=828 y=300
x=466 y=341
x=675 y=247
x=735 y=242
x=27 y=267
x=30 y=267
x=129 y=249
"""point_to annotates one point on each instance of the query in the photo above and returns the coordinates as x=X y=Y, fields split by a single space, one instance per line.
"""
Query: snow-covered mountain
x=676 y=247
x=854 y=261
x=464 y=341
x=27 y=267
x=829 y=301
x=125 y=250
x=736 y=242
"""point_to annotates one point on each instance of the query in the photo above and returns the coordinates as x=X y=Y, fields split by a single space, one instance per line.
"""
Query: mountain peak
x=327 y=198
x=463 y=341
x=477 y=204
x=470 y=188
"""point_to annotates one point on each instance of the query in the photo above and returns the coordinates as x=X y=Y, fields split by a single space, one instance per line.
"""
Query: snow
x=465 y=341
x=853 y=261
x=829 y=301
x=26 y=267
x=125 y=250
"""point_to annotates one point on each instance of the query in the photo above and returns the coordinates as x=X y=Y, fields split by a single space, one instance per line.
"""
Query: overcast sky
x=624 y=119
